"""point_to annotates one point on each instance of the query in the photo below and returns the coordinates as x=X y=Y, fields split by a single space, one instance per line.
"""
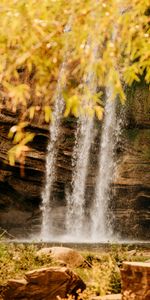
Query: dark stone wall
x=131 y=189
x=20 y=196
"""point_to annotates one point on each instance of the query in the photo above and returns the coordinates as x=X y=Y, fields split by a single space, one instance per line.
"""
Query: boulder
x=135 y=281
x=46 y=283
x=66 y=255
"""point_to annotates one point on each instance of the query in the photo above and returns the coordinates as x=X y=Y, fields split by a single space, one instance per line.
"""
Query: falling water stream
x=46 y=226
x=52 y=149
x=101 y=221
x=76 y=200
x=101 y=227
x=75 y=210
x=75 y=217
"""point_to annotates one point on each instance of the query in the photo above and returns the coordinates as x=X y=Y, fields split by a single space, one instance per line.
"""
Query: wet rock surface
x=20 y=197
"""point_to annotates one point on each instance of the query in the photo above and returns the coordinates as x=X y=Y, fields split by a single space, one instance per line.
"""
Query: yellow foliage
x=20 y=139
x=99 y=111
x=35 y=40
x=72 y=106
x=48 y=114
x=31 y=112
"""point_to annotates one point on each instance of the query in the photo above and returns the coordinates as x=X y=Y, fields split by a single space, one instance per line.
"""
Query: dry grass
x=102 y=278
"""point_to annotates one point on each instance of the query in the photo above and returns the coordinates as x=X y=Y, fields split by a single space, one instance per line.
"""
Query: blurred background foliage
x=40 y=38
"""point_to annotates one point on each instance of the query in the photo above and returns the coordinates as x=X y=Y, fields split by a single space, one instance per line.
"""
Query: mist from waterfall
x=100 y=222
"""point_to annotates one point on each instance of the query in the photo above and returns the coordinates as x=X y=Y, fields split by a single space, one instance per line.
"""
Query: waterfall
x=75 y=210
x=46 y=226
x=101 y=227
x=52 y=149
x=76 y=200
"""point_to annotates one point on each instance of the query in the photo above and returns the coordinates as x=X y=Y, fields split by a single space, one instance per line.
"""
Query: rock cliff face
x=20 y=197
x=131 y=190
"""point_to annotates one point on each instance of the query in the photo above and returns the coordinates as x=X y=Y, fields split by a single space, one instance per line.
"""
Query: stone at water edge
x=45 y=283
x=70 y=257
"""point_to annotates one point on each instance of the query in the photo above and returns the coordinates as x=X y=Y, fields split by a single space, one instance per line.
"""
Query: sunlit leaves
x=72 y=106
x=17 y=128
x=134 y=40
x=131 y=74
x=18 y=153
x=20 y=138
x=31 y=112
x=99 y=111
x=48 y=114
x=35 y=40
x=19 y=94
x=147 y=77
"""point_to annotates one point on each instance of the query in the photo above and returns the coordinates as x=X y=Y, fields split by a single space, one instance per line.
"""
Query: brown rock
x=45 y=283
x=20 y=196
x=135 y=281
x=131 y=187
x=63 y=254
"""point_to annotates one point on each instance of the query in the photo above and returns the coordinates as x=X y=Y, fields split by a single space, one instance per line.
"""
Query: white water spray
x=76 y=201
x=101 y=229
x=52 y=150
x=46 y=226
